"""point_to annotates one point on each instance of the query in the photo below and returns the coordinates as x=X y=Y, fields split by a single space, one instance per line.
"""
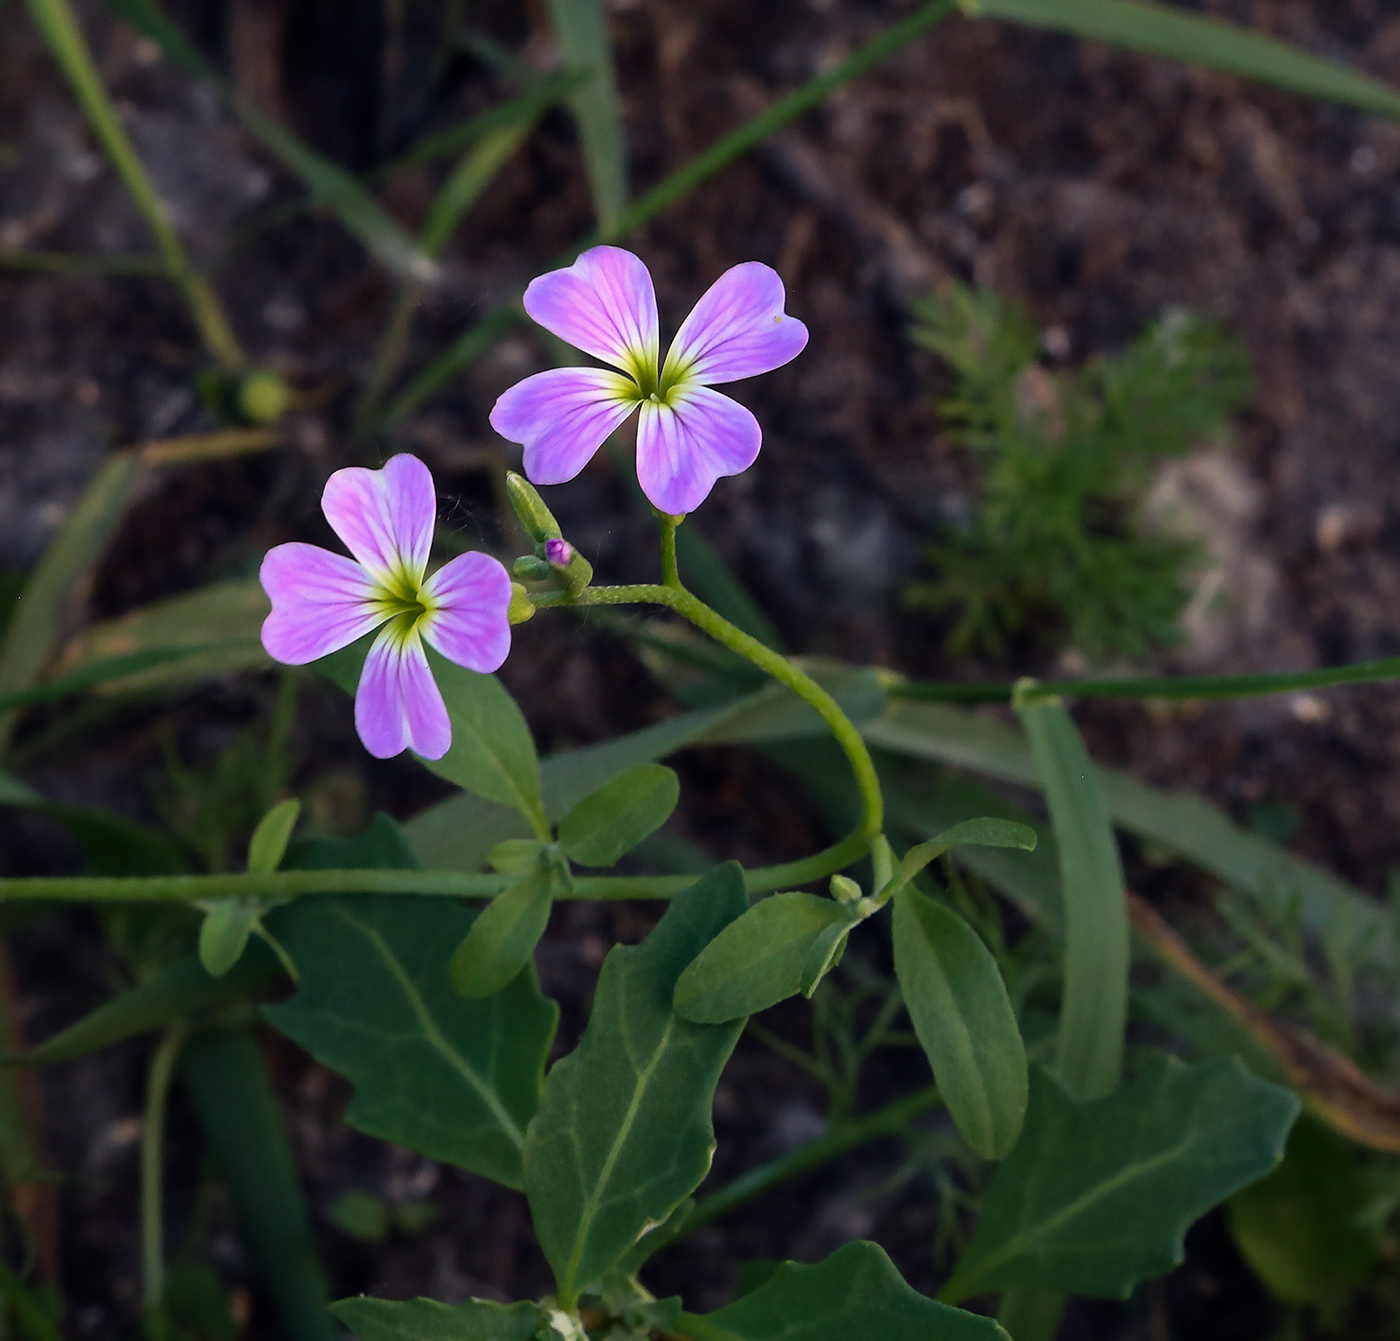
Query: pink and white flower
x=688 y=436
x=323 y=601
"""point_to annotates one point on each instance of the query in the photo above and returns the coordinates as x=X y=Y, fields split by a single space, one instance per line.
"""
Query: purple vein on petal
x=603 y=304
x=385 y=517
x=321 y=602
x=398 y=705
x=469 y=600
x=684 y=447
x=738 y=329
x=563 y=416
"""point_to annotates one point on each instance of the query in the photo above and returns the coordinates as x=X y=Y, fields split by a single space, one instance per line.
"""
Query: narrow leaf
x=228 y=1082
x=1098 y=1195
x=428 y=1320
x=581 y=29
x=492 y=753
x=984 y=831
x=1094 y=1008
x=224 y=933
x=268 y=844
x=1196 y=39
x=624 y=1134
x=611 y=822
x=856 y=1294
x=503 y=937
x=963 y=1018
x=758 y=959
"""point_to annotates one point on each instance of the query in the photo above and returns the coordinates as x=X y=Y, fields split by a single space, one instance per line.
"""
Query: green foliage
x=1302 y=1228
x=623 y=1134
x=427 y=1320
x=603 y=827
x=1098 y=1195
x=1056 y=547
x=504 y=936
x=855 y=1293
x=963 y=1019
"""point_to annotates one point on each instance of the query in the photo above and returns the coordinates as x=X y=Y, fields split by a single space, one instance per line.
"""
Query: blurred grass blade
x=32 y=634
x=102 y=672
x=80 y=263
x=1197 y=40
x=55 y=20
x=228 y=1081
x=1094 y=1007
x=330 y=185
x=581 y=30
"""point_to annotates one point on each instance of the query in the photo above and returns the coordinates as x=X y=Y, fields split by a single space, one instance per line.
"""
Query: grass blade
x=1163 y=31
x=59 y=27
x=581 y=30
x=1094 y=1008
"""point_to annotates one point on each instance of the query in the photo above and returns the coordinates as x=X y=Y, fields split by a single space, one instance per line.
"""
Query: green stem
x=670 y=570
x=158 y=1080
x=887 y=1121
x=56 y=22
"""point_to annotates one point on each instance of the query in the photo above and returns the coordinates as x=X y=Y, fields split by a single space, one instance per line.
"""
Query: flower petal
x=685 y=446
x=468 y=624
x=320 y=603
x=737 y=329
x=398 y=705
x=386 y=516
x=562 y=416
x=603 y=304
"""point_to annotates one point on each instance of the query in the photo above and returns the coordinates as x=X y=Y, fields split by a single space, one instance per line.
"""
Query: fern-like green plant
x=1055 y=548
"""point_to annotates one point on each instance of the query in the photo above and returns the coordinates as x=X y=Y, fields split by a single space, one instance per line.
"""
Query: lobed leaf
x=962 y=1015
x=1098 y=1195
x=758 y=959
x=623 y=1134
x=856 y=1294
x=428 y=1320
x=602 y=827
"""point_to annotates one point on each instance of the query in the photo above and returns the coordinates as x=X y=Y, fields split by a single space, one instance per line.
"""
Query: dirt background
x=1099 y=188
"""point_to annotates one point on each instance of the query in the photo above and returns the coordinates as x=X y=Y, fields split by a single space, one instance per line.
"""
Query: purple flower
x=688 y=435
x=322 y=602
x=558 y=552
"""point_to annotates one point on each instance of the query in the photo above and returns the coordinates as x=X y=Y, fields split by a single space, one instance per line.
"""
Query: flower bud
x=845 y=890
x=558 y=553
x=537 y=519
x=521 y=606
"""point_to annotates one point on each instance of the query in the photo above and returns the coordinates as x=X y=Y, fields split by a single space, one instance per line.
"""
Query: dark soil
x=1099 y=188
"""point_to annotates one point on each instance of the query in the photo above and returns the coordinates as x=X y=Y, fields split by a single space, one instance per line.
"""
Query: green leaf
x=492 y=753
x=856 y=1294
x=228 y=1082
x=581 y=29
x=1163 y=31
x=211 y=631
x=32 y=632
x=984 y=831
x=224 y=933
x=1098 y=1195
x=758 y=959
x=623 y=1134
x=1094 y=1007
x=268 y=844
x=963 y=1017
x=1301 y=1229
x=454 y=1079
x=615 y=818
x=504 y=936
x=175 y=992
x=427 y=1320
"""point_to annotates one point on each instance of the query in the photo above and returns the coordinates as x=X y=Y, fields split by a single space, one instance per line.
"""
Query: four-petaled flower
x=322 y=602
x=688 y=435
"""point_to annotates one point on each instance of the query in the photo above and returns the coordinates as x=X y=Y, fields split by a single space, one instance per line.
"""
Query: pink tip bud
x=558 y=552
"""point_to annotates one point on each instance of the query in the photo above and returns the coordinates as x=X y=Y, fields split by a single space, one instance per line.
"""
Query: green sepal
x=769 y=954
x=603 y=827
x=504 y=936
x=962 y=1015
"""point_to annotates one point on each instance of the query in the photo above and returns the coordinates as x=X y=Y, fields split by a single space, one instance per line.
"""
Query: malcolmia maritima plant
x=322 y=602
x=688 y=435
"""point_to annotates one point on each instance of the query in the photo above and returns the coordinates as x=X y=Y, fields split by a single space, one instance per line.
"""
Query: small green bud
x=845 y=890
x=530 y=569
x=537 y=519
x=521 y=606
x=263 y=396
